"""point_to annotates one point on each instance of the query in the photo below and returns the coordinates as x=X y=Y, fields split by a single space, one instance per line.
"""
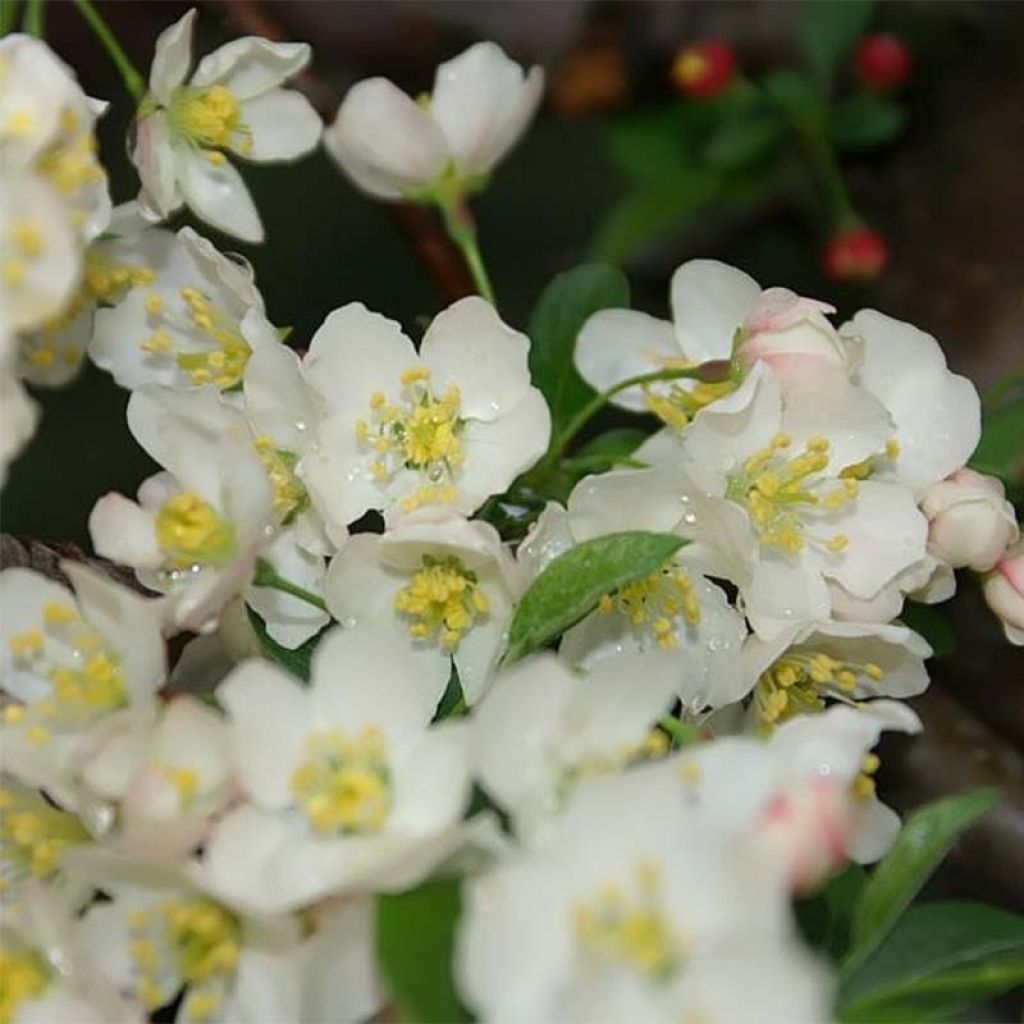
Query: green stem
x=823 y=157
x=459 y=225
x=35 y=18
x=8 y=16
x=133 y=81
x=598 y=402
x=266 y=576
x=683 y=735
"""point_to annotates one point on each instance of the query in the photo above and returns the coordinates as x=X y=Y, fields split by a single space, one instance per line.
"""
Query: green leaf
x=560 y=313
x=415 y=938
x=829 y=30
x=743 y=140
x=656 y=146
x=651 y=214
x=574 y=582
x=1000 y=451
x=795 y=97
x=826 y=916
x=865 y=120
x=295 y=661
x=614 y=444
x=926 y=837
x=938 y=960
x=932 y=625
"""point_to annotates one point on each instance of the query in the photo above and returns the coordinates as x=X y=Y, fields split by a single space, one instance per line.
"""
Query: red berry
x=856 y=255
x=882 y=62
x=704 y=69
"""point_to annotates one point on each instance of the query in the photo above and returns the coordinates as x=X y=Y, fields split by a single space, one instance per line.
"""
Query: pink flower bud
x=809 y=829
x=792 y=335
x=970 y=521
x=1004 y=592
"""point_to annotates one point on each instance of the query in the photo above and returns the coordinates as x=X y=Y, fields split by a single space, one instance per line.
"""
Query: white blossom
x=394 y=147
x=231 y=103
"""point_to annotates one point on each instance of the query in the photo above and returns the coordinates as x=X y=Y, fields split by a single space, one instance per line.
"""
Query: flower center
x=419 y=432
x=664 y=602
x=864 y=783
x=70 y=164
x=290 y=497
x=674 y=404
x=801 y=679
x=191 y=533
x=195 y=941
x=624 y=926
x=84 y=674
x=344 y=784
x=103 y=280
x=23 y=243
x=24 y=977
x=204 y=322
x=780 y=492
x=442 y=599
x=208 y=117
x=33 y=837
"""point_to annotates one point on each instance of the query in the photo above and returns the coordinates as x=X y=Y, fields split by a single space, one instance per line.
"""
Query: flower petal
x=172 y=58
x=386 y=143
x=710 y=300
x=154 y=159
x=217 y=194
x=283 y=124
x=251 y=66
x=124 y=532
x=616 y=344
x=468 y=345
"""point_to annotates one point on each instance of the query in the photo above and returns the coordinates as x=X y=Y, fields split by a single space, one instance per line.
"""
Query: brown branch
x=421 y=226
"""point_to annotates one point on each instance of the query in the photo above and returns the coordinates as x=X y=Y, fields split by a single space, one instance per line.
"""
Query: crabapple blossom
x=167 y=775
x=633 y=906
x=764 y=484
x=197 y=528
x=718 y=312
x=676 y=608
x=807 y=793
x=153 y=414
x=71 y=662
x=51 y=972
x=393 y=147
x=1004 y=592
x=970 y=522
x=543 y=728
x=451 y=425
x=231 y=103
x=937 y=414
x=193 y=320
x=442 y=585
x=346 y=787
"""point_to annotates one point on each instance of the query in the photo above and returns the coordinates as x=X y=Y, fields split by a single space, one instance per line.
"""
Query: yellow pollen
x=14 y=272
x=344 y=784
x=20 y=122
x=420 y=432
x=442 y=600
x=24 y=978
x=184 y=780
x=663 y=602
x=28 y=238
x=190 y=532
x=892 y=448
x=628 y=928
x=209 y=117
x=290 y=496
x=800 y=681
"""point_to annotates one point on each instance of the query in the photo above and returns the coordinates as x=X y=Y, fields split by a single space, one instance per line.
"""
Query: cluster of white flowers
x=215 y=832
